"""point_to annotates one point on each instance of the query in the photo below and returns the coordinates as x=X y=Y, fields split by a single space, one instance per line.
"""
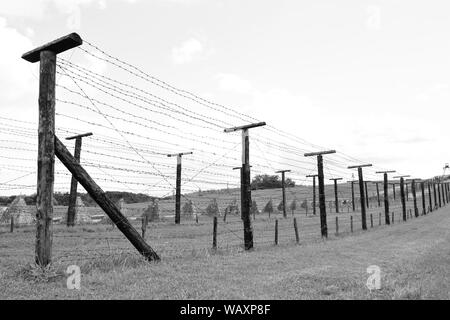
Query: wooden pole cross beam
x=178 y=185
x=314 y=176
x=71 y=210
x=245 y=182
x=402 y=194
x=386 y=194
x=46 y=55
x=322 y=206
x=283 y=186
x=336 y=200
x=361 y=192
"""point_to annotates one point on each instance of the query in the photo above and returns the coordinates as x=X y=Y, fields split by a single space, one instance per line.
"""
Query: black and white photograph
x=224 y=156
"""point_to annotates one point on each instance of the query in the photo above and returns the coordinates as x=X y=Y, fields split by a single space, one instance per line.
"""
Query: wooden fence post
x=214 y=233
x=429 y=197
x=297 y=238
x=276 y=231
x=46 y=54
x=337 y=226
x=362 y=193
x=371 y=220
x=351 y=223
x=402 y=194
x=246 y=200
x=11 y=229
x=320 y=178
x=379 y=218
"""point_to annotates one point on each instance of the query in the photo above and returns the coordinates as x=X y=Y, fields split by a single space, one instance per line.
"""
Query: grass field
x=414 y=257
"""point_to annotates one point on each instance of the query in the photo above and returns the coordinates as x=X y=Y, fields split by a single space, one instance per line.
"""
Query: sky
x=368 y=78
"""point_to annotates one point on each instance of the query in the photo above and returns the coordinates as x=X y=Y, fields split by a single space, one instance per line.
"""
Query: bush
x=268 y=207
x=213 y=208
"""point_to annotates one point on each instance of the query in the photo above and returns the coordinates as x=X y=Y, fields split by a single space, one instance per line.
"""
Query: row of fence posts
x=409 y=215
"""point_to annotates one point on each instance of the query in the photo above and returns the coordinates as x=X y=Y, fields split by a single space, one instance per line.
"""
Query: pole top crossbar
x=62 y=44
x=310 y=154
x=388 y=171
x=336 y=179
x=359 y=166
x=80 y=136
x=237 y=168
x=248 y=126
x=312 y=175
x=281 y=171
x=179 y=154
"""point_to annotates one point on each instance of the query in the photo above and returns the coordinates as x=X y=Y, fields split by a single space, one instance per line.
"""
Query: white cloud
x=16 y=74
x=187 y=51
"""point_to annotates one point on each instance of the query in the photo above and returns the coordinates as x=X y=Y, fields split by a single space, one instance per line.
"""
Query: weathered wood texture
x=402 y=198
x=386 y=199
x=71 y=210
x=46 y=159
x=362 y=198
x=57 y=46
x=99 y=196
x=322 y=205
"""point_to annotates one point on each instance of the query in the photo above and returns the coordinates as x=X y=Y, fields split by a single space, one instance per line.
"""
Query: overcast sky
x=369 y=78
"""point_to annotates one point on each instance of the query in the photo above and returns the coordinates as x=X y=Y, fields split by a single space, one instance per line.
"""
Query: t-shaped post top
x=179 y=154
x=282 y=171
x=404 y=176
x=310 y=154
x=359 y=166
x=80 y=136
x=57 y=46
x=248 y=126
x=312 y=175
x=336 y=179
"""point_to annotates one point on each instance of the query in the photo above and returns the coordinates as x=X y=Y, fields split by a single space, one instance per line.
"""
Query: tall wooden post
x=439 y=194
x=413 y=190
x=353 y=197
x=336 y=200
x=178 y=185
x=402 y=194
x=429 y=195
x=362 y=193
x=424 y=207
x=378 y=195
x=314 y=191
x=71 y=210
x=407 y=192
x=322 y=205
x=245 y=182
x=46 y=54
x=367 y=194
x=393 y=190
x=435 y=195
x=283 y=186
x=386 y=195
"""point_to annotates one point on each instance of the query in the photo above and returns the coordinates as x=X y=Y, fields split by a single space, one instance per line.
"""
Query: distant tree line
x=62 y=199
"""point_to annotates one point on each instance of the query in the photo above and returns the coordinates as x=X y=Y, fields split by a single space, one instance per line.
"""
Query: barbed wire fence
x=137 y=119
